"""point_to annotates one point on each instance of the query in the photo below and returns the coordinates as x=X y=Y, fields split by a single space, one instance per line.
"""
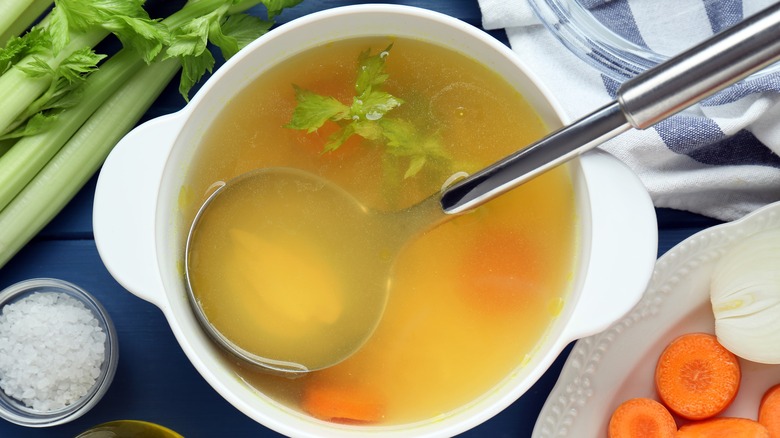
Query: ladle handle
x=701 y=71
x=641 y=102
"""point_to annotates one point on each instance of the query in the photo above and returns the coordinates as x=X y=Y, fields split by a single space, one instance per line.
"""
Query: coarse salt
x=51 y=350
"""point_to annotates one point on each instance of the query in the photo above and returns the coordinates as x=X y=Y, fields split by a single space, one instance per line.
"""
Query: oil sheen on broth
x=469 y=300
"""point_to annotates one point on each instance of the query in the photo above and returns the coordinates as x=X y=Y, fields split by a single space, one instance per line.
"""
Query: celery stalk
x=66 y=173
x=18 y=15
x=10 y=11
x=18 y=90
x=5 y=146
x=31 y=153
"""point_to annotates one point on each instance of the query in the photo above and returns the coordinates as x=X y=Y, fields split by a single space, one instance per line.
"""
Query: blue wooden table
x=155 y=381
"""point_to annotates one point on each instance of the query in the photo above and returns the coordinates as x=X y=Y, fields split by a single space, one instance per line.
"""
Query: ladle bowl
x=304 y=336
x=318 y=208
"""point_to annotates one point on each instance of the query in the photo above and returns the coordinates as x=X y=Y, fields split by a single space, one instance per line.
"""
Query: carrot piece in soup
x=696 y=377
x=769 y=410
x=724 y=427
x=641 y=418
x=503 y=271
x=341 y=404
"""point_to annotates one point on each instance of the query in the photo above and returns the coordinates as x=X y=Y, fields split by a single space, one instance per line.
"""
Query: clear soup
x=470 y=300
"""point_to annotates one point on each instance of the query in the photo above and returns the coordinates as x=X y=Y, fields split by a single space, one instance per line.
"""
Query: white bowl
x=140 y=242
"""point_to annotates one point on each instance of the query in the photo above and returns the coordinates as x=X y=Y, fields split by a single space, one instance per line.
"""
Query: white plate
x=617 y=364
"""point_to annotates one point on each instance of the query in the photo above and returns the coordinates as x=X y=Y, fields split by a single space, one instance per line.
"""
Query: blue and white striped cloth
x=719 y=159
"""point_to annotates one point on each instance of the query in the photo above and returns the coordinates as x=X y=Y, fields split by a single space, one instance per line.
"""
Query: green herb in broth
x=365 y=117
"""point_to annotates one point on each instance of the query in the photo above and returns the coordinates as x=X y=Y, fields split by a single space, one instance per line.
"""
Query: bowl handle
x=624 y=229
x=125 y=204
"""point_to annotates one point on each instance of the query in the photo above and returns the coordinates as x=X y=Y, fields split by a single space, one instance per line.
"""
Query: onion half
x=745 y=296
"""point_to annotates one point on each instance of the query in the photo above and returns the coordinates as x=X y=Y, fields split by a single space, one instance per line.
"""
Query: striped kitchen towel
x=719 y=159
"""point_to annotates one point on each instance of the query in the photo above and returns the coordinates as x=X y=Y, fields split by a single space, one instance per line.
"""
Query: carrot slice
x=769 y=410
x=341 y=404
x=641 y=418
x=724 y=427
x=696 y=377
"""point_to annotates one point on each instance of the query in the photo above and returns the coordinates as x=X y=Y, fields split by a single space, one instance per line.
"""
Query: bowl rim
x=16 y=412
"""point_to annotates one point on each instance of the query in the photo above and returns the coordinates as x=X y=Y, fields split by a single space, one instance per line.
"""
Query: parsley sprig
x=368 y=116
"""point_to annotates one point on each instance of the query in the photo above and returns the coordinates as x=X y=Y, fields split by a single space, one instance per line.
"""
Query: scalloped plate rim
x=616 y=364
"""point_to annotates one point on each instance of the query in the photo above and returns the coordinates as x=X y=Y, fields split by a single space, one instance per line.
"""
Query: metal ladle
x=641 y=102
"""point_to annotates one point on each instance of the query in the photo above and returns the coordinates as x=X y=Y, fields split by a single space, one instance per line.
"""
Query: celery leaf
x=368 y=118
x=58 y=28
x=367 y=129
x=35 y=124
x=369 y=105
x=373 y=105
x=237 y=32
x=189 y=43
x=79 y=64
x=338 y=138
x=313 y=110
x=63 y=92
x=33 y=42
x=415 y=165
x=404 y=140
x=145 y=36
x=275 y=7
x=371 y=70
x=127 y=19
x=36 y=67
x=193 y=68
x=225 y=28
x=190 y=40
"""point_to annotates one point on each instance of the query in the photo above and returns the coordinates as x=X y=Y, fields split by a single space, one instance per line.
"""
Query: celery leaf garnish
x=374 y=104
x=404 y=140
x=371 y=70
x=370 y=104
x=367 y=117
x=314 y=110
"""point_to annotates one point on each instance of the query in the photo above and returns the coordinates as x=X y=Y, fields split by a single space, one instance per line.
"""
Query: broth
x=469 y=300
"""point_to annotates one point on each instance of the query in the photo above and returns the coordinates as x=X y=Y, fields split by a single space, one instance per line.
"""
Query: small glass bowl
x=609 y=48
x=17 y=412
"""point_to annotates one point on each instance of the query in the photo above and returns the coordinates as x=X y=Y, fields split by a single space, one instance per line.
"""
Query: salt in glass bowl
x=647 y=33
x=17 y=412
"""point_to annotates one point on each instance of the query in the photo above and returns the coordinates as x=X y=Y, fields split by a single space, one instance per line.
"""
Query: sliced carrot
x=769 y=410
x=696 y=377
x=641 y=418
x=724 y=427
x=341 y=404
